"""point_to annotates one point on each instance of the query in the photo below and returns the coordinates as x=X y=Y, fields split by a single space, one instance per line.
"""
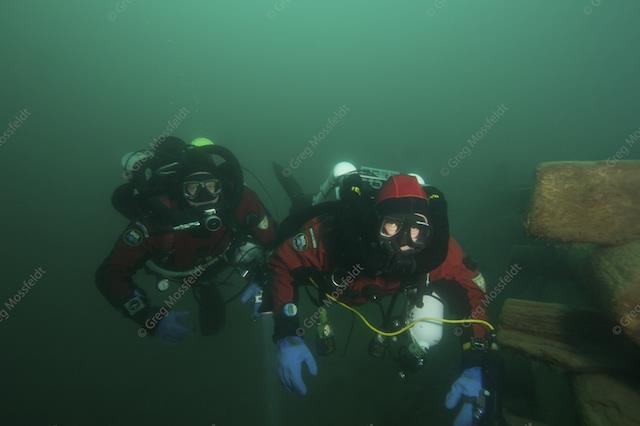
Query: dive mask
x=404 y=233
x=202 y=188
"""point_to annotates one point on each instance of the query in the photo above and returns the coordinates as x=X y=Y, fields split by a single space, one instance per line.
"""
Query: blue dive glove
x=169 y=330
x=292 y=353
x=252 y=294
x=468 y=385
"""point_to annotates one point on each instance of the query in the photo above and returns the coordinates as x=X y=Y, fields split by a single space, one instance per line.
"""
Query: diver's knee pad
x=426 y=334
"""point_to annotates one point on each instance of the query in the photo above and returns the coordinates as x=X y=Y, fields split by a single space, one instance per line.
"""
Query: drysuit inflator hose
x=409 y=326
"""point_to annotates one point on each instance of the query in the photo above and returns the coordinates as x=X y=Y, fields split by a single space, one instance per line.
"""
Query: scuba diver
x=387 y=234
x=190 y=216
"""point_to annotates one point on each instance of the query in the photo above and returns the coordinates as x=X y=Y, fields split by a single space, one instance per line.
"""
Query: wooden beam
x=615 y=279
x=588 y=202
x=577 y=340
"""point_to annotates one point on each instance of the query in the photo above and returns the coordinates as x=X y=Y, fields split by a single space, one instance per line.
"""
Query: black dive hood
x=207 y=159
x=220 y=163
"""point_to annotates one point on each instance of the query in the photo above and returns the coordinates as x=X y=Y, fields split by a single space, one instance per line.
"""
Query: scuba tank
x=332 y=182
x=422 y=302
x=410 y=349
x=373 y=177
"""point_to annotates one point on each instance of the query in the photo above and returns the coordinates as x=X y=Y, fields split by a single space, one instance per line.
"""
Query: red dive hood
x=401 y=194
x=400 y=186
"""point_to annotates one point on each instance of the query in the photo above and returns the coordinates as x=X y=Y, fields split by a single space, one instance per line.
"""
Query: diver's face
x=202 y=189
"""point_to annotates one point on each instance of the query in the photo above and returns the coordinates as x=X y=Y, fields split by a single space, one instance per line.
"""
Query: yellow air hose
x=408 y=326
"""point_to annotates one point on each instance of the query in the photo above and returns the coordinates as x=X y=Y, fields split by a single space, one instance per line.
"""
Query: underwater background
x=471 y=95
